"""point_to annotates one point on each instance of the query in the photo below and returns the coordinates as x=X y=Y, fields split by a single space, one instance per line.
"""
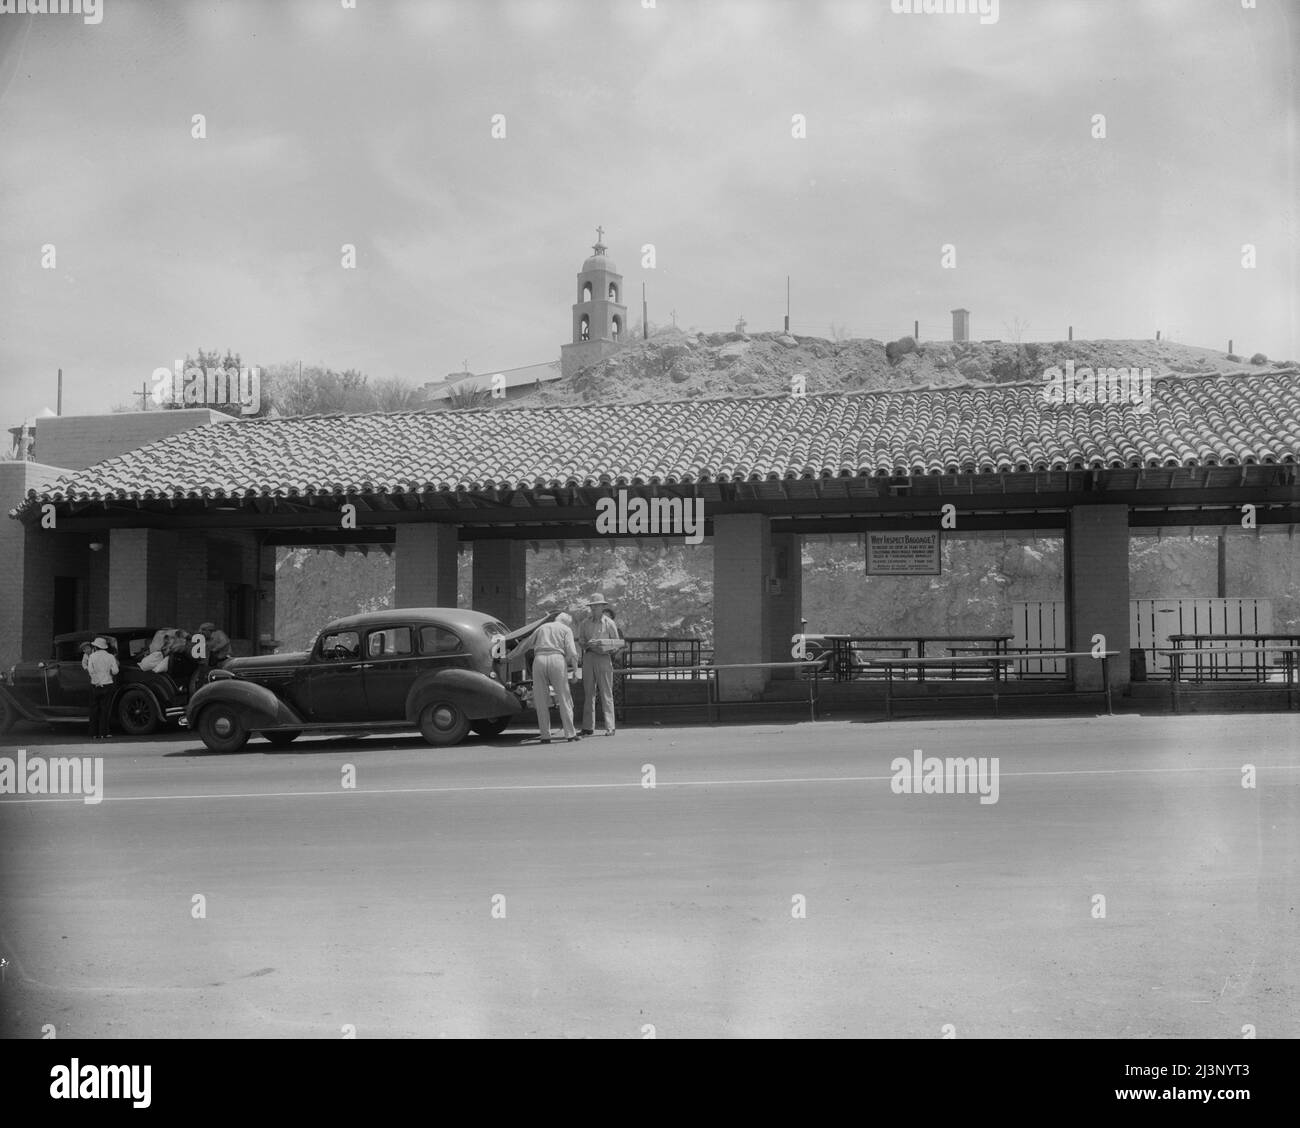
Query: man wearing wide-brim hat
x=598 y=639
x=102 y=667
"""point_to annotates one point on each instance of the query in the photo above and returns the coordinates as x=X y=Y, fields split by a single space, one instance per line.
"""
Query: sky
x=672 y=124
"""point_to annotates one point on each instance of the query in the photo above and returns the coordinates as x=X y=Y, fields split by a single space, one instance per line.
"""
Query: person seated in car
x=182 y=666
x=155 y=658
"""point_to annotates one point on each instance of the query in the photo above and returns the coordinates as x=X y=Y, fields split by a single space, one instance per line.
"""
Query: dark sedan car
x=443 y=671
x=58 y=689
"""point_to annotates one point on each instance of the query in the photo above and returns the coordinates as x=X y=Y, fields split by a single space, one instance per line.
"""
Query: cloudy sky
x=669 y=126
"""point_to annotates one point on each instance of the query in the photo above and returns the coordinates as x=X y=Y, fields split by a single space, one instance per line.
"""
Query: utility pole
x=674 y=315
x=60 y=401
x=143 y=393
x=645 y=316
x=787 y=303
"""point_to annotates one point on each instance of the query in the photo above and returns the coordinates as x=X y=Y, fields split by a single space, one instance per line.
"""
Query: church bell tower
x=599 y=315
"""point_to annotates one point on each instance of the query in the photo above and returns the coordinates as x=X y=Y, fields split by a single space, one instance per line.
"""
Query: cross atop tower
x=599 y=246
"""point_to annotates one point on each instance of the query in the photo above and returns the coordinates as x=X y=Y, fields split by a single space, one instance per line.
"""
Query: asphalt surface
x=503 y=888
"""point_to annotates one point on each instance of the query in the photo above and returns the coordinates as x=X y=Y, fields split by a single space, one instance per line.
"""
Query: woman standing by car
x=103 y=669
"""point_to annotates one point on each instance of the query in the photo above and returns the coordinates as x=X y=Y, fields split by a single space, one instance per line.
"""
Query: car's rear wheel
x=492 y=726
x=137 y=712
x=283 y=738
x=443 y=723
x=221 y=729
x=8 y=715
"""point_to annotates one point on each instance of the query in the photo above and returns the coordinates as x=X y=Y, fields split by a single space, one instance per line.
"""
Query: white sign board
x=903 y=554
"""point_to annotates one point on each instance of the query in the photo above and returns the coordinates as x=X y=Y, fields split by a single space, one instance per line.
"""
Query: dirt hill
x=676 y=365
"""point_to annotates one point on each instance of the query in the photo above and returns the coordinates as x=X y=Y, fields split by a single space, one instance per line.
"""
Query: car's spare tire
x=221 y=728
x=443 y=723
x=490 y=726
x=137 y=711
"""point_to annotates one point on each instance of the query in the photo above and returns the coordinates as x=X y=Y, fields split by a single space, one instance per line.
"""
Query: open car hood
x=515 y=637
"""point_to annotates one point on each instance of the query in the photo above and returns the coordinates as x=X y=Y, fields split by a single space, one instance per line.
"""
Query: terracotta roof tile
x=1194 y=421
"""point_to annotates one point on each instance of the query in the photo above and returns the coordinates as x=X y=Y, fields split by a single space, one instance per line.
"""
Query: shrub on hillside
x=1233 y=357
x=1259 y=358
x=895 y=350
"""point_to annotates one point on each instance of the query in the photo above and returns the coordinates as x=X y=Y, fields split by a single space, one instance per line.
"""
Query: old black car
x=443 y=671
x=58 y=689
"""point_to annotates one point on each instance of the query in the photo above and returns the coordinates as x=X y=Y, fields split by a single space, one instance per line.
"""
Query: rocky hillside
x=667 y=590
x=677 y=365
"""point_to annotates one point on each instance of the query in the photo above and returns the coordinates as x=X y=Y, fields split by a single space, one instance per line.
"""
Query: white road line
x=7 y=801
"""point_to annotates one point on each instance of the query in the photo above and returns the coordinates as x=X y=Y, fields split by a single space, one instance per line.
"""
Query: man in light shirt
x=597 y=664
x=554 y=656
x=102 y=667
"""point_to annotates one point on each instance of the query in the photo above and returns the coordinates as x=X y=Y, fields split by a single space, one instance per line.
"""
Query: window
x=69 y=651
x=613 y=292
x=438 y=640
x=586 y=291
x=584 y=328
x=617 y=328
x=395 y=642
x=239 y=610
x=341 y=646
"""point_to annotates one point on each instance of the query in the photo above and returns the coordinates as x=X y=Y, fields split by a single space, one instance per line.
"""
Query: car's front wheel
x=283 y=738
x=137 y=712
x=443 y=723
x=221 y=729
x=492 y=726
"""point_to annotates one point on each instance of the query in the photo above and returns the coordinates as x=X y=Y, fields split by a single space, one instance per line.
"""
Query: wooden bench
x=995 y=664
x=1289 y=662
x=713 y=699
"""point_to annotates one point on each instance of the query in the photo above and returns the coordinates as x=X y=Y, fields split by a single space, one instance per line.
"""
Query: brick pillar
x=1098 y=591
x=786 y=606
x=264 y=616
x=742 y=546
x=190 y=566
x=97 y=581
x=425 y=567
x=142 y=579
x=500 y=580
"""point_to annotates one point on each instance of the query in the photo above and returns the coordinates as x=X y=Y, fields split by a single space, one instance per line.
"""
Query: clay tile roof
x=1193 y=421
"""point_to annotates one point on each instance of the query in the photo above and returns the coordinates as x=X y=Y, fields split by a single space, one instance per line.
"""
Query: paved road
x=673 y=906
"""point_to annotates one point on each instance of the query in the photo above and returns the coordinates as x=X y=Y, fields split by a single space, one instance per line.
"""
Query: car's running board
x=343 y=726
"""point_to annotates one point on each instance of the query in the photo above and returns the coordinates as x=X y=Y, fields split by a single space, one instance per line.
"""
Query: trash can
x=1137 y=665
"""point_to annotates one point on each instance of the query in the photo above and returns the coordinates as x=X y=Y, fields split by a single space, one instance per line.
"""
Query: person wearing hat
x=218 y=644
x=102 y=667
x=598 y=638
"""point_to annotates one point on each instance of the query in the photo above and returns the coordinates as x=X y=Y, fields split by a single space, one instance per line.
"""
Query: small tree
x=468 y=398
